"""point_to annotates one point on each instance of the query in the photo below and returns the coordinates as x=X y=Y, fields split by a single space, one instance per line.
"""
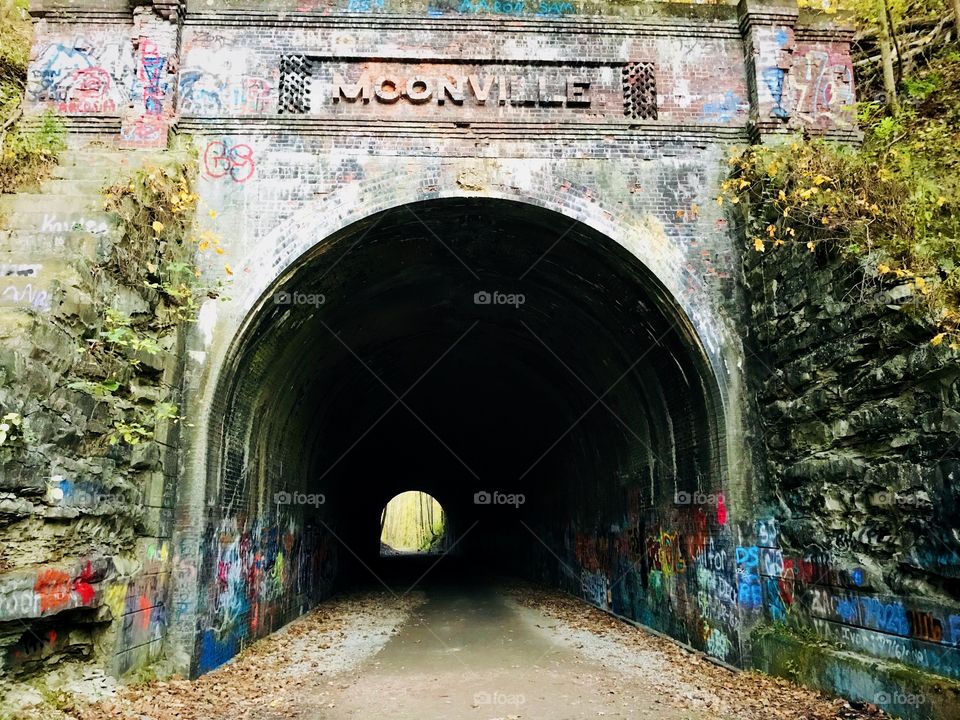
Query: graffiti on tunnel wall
x=707 y=583
x=261 y=575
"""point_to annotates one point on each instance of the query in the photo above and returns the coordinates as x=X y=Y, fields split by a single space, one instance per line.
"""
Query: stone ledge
x=858 y=677
x=308 y=125
x=672 y=27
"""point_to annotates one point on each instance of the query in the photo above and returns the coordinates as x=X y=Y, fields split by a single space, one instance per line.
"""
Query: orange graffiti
x=53 y=587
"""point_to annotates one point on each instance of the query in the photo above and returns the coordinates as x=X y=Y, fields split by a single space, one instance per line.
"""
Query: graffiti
x=27 y=295
x=51 y=224
x=205 y=93
x=824 y=88
x=718 y=644
x=81 y=76
x=221 y=160
x=256 y=571
x=145 y=131
x=516 y=7
x=56 y=590
x=725 y=111
x=768 y=533
x=773 y=78
x=150 y=70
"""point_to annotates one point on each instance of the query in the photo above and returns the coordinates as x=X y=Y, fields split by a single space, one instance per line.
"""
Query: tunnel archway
x=521 y=367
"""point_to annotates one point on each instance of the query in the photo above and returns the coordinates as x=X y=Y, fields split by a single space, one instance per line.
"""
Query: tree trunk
x=956 y=17
x=886 y=57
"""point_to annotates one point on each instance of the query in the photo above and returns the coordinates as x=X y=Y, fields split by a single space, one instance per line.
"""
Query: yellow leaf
x=679 y=213
x=771 y=230
x=734 y=200
x=213 y=214
x=227 y=268
x=758 y=244
x=203 y=245
x=782 y=197
x=820 y=180
x=920 y=283
x=719 y=199
x=811 y=246
x=937 y=339
x=157 y=226
x=218 y=250
x=883 y=269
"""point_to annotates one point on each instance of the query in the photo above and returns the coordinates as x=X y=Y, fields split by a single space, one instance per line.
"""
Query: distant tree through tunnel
x=412 y=522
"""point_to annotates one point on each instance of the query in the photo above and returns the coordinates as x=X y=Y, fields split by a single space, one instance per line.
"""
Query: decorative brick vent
x=639 y=91
x=295 y=72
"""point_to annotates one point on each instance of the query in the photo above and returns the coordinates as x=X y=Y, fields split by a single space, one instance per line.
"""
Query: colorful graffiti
x=824 y=87
x=261 y=577
x=82 y=76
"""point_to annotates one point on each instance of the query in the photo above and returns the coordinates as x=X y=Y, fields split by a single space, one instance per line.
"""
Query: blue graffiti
x=365 y=5
x=749 y=594
x=517 y=7
x=726 y=110
x=775 y=606
x=773 y=77
x=782 y=37
x=889 y=617
x=748 y=557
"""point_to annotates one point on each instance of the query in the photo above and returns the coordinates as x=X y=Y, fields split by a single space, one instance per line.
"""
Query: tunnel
x=519 y=366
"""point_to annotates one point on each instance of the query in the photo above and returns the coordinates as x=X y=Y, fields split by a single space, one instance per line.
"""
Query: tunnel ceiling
x=400 y=379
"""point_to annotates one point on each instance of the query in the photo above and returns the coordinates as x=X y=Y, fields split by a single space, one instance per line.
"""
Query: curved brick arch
x=290 y=242
x=223 y=330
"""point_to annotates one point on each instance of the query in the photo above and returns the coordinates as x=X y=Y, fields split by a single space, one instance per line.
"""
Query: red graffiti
x=88 y=93
x=53 y=587
x=237 y=161
x=144 y=612
x=82 y=585
x=721 y=510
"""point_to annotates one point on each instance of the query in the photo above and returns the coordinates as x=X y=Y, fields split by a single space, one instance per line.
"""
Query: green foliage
x=27 y=150
x=157 y=256
x=892 y=205
x=156 y=210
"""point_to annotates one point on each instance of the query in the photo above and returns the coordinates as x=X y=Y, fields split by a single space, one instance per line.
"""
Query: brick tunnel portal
x=523 y=369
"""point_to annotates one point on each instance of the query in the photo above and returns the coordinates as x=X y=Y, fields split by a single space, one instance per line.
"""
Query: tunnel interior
x=522 y=368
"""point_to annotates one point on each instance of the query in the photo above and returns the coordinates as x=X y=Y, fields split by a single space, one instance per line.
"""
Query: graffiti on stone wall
x=83 y=75
x=219 y=79
x=150 y=87
x=823 y=82
x=51 y=590
x=221 y=159
x=261 y=576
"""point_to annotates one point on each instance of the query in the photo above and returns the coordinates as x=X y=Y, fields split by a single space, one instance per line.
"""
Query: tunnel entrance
x=413 y=523
x=520 y=367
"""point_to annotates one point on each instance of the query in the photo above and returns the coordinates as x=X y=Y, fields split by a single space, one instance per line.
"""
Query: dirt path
x=484 y=653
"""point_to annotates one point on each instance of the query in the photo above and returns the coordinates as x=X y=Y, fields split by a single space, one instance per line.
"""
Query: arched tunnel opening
x=522 y=368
